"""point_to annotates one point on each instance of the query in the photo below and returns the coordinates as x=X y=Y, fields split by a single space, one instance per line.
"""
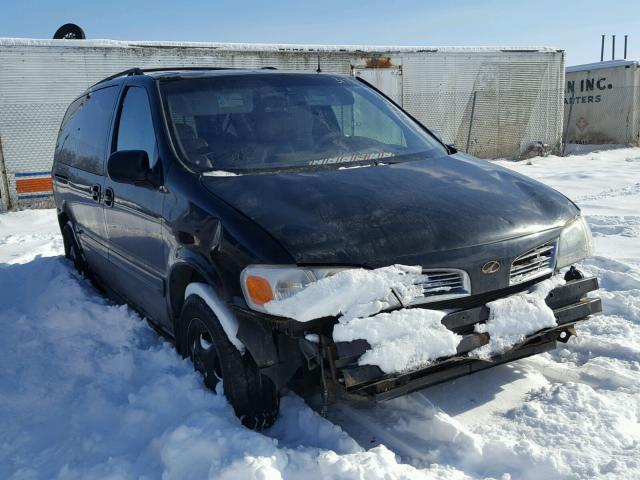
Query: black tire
x=69 y=31
x=253 y=396
x=72 y=250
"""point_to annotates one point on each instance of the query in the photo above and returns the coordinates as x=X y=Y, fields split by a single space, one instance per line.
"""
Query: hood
x=379 y=215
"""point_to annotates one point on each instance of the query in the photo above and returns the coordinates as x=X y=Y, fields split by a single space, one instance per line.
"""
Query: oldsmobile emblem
x=491 y=267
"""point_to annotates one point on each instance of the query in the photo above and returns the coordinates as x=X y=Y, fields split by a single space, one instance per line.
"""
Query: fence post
x=473 y=111
x=5 y=196
x=566 y=127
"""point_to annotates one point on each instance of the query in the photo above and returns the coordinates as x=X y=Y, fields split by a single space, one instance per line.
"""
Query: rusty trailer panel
x=602 y=103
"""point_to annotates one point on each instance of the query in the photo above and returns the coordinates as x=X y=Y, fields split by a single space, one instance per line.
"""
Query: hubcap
x=203 y=353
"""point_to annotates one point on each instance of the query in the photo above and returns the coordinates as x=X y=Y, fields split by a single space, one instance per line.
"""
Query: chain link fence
x=495 y=123
x=28 y=135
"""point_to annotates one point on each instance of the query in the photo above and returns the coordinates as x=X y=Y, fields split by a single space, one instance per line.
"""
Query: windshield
x=287 y=121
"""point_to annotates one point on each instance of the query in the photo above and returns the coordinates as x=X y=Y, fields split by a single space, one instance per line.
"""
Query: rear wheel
x=72 y=249
x=253 y=396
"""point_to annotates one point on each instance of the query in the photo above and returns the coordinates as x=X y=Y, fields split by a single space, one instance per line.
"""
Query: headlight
x=575 y=242
x=263 y=283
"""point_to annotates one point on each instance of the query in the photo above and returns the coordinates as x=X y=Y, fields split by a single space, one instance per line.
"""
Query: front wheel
x=253 y=396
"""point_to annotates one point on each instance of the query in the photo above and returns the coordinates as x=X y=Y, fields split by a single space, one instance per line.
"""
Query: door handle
x=95 y=192
x=108 y=197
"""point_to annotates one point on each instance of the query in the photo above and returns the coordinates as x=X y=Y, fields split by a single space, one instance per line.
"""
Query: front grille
x=444 y=284
x=533 y=263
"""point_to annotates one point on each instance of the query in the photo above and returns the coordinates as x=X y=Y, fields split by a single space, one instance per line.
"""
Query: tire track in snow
x=610 y=193
x=612 y=225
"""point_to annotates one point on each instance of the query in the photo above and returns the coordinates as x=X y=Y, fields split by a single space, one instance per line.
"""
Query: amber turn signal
x=258 y=289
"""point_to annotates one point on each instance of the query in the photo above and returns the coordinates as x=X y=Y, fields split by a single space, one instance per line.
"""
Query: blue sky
x=575 y=26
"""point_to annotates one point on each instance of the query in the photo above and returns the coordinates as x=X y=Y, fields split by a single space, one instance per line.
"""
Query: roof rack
x=162 y=69
x=141 y=71
x=125 y=73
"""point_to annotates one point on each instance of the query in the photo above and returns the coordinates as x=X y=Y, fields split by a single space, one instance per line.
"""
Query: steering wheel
x=234 y=158
x=331 y=137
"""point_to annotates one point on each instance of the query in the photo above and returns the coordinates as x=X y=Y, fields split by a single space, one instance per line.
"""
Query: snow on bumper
x=475 y=350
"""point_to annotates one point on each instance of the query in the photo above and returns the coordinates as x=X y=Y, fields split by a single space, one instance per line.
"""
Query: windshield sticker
x=357 y=157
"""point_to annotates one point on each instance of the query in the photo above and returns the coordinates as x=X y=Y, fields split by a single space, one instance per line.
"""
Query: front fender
x=192 y=268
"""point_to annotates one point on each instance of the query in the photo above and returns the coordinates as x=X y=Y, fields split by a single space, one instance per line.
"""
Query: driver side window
x=135 y=128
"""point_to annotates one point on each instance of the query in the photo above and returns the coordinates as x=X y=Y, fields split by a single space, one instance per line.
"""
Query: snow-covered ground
x=88 y=390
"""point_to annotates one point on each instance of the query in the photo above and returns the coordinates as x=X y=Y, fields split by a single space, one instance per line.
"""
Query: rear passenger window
x=135 y=130
x=82 y=142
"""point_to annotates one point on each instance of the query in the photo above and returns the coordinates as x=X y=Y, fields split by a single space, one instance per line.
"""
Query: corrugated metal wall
x=519 y=97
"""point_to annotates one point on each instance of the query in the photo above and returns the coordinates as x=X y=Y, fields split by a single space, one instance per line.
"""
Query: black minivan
x=200 y=196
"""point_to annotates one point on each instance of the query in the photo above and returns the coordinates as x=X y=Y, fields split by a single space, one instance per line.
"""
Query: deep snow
x=88 y=390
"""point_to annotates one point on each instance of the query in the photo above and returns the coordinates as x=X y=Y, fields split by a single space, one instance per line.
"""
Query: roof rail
x=125 y=73
x=168 y=69
x=141 y=71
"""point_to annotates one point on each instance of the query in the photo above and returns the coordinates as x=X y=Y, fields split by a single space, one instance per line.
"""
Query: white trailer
x=490 y=101
x=602 y=103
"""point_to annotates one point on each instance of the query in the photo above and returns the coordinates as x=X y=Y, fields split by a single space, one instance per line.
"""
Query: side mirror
x=129 y=166
x=450 y=146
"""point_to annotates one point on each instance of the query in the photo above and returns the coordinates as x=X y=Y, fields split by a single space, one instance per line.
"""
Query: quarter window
x=135 y=129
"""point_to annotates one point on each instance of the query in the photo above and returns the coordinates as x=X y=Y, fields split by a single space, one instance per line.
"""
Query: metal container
x=492 y=102
x=602 y=103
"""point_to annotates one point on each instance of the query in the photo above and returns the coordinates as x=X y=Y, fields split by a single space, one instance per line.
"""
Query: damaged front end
x=305 y=351
x=381 y=333
x=345 y=380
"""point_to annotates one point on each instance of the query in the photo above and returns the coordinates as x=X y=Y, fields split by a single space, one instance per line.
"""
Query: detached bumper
x=351 y=382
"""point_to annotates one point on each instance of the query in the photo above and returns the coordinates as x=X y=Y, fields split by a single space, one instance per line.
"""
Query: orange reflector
x=259 y=289
x=30 y=185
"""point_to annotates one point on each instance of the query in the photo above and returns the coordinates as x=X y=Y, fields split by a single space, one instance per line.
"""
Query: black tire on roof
x=69 y=31
x=253 y=396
